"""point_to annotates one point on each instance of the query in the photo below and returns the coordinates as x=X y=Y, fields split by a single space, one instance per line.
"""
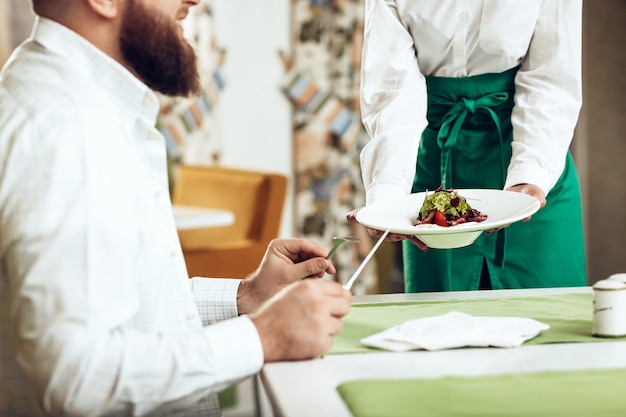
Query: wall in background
x=5 y=32
x=16 y=21
x=316 y=146
x=602 y=157
x=256 y=117
x=21 y=19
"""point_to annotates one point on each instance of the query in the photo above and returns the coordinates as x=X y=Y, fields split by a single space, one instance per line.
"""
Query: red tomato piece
x=440 y=219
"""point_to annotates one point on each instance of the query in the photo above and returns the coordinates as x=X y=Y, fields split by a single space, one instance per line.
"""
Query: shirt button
x=463 y=17
x=190 y=316
x=458 y=52
x=174 y=253
x=147 y=99
x=460 y=74
x=153 y=135
x=158 y=193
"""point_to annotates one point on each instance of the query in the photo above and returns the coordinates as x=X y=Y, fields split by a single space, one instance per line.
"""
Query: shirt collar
x=127 y=93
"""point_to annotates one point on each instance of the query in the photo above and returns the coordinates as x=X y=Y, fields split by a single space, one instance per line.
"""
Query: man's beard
x=153 y=47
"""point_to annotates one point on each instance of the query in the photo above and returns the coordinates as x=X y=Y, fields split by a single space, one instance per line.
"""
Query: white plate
x=501 y=207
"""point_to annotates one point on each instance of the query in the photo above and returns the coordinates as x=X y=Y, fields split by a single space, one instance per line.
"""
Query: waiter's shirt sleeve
x=548 y=96
x=393 y=103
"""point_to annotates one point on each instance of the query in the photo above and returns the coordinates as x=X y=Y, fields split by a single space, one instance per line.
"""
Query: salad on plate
x=445 y=208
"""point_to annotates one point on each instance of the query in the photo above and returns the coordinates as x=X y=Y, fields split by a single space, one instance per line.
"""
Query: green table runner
x=569 y=317
x=550 y=394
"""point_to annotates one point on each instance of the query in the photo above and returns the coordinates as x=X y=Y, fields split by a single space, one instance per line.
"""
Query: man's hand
x=285 y=261
x=391 y=237
x=300 y=321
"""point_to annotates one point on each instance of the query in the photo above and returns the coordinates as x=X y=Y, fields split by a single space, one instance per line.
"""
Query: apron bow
x=453 y=122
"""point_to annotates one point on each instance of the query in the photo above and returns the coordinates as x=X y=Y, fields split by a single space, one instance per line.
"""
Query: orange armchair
x=257 y=200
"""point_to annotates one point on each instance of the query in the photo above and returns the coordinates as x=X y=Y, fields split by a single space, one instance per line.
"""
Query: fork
x=338 y=241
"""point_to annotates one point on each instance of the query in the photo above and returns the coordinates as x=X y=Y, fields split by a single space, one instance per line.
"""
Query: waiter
x=478 y=94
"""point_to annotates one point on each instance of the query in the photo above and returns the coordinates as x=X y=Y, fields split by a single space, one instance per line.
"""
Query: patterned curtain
x=322 y=83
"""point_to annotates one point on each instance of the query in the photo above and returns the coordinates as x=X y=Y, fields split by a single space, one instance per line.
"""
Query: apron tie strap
x=449 y=132
x=500 y=248
x=453 y=121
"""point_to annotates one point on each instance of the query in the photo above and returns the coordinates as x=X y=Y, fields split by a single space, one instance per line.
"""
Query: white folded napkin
x=454 y=330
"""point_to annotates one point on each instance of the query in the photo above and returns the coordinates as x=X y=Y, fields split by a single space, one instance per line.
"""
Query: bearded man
x=98 y=316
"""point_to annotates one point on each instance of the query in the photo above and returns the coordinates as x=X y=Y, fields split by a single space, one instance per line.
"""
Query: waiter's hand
x=530 y=189
x=391 y=237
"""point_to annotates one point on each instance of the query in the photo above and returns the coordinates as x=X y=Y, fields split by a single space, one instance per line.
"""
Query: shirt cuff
x=216 y=298
x=527 y=174
x=234 y=348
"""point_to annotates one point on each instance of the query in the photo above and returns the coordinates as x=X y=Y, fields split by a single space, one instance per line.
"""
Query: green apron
x=467 y=144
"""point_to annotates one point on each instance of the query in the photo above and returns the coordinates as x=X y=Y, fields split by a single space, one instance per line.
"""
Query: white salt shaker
x=609 y=308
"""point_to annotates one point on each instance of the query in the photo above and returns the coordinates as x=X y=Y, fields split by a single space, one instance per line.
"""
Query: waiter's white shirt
x=406 y=40
x=97 y=314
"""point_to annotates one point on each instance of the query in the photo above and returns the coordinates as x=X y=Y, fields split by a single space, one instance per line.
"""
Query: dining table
x=194 y=217
x=565 y=370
